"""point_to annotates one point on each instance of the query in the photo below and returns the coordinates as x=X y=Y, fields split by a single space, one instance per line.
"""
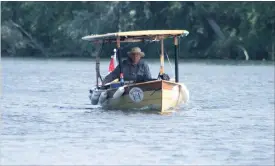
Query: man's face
x=135 y=57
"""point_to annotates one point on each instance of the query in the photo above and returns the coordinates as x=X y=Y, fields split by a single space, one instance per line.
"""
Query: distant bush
x=218 y=30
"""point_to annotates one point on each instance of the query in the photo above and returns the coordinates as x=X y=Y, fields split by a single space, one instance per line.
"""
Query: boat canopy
x=136 y=36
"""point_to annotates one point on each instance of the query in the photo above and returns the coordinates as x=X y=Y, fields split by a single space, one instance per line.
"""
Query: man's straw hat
x=136 y=50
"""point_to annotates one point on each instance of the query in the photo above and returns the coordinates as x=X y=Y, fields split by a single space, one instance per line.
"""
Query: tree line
x=218 y=30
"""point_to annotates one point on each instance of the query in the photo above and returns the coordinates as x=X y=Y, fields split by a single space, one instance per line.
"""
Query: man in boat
x=134 y=68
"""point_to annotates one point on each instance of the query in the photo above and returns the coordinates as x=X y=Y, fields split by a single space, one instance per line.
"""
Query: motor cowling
x=102 y=97
x=94 y=96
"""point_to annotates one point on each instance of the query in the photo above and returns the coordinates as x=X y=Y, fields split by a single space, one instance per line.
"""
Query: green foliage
x=217 y=29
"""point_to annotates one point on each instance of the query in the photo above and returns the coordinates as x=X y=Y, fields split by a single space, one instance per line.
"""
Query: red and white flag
x=113 y=63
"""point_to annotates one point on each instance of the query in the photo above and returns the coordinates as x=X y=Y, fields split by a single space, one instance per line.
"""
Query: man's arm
x=147 y=73
x=112 y=76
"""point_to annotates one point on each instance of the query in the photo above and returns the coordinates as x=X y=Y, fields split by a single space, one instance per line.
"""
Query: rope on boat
x=169 y=63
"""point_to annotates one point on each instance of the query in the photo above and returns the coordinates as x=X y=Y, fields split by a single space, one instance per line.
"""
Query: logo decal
x=136 y=94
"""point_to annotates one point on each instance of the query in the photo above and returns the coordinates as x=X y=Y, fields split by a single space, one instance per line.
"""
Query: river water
x=47 y=118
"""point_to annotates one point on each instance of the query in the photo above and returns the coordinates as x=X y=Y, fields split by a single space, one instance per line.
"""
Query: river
x=47 y=117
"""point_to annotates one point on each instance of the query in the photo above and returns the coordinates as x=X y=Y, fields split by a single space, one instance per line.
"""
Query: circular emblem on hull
x=136 y=94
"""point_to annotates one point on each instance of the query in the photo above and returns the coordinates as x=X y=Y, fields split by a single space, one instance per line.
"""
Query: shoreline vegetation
x=107 y=59
x=218 y=30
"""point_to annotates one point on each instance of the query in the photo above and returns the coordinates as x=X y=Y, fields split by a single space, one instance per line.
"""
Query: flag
x=113 y=62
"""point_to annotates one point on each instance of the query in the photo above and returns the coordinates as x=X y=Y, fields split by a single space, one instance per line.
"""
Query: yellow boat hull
x=159 y=96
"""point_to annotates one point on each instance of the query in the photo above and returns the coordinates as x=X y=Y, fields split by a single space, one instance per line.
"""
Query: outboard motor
x=94 y=96
x=102 y=97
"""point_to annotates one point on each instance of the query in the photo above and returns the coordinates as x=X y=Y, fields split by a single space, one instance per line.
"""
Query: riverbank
x=218 y=30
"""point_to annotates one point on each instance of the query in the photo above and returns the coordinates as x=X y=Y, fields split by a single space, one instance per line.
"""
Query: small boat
x=161 y=94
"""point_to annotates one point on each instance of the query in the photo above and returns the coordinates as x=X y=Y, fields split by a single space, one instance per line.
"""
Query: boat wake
x=80 y=107
x=184 y=93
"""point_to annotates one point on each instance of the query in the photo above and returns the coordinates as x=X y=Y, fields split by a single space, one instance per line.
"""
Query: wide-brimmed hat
x=136 y=50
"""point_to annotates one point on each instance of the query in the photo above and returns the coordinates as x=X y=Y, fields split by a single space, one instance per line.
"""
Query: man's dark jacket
x=131 y=72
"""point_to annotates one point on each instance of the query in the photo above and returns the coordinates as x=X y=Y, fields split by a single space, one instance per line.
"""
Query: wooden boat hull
x=160 y=96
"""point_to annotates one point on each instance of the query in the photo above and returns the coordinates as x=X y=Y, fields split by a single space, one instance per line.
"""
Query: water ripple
x=47 y=118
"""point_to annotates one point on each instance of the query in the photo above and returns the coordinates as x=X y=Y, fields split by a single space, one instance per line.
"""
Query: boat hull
x=157 y=96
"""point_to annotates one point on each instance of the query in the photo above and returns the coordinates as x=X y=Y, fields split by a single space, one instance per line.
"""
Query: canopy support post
x=161 y=58
x=121 y=79
x=97 y=66
x=97 y=69
x=176 y=45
